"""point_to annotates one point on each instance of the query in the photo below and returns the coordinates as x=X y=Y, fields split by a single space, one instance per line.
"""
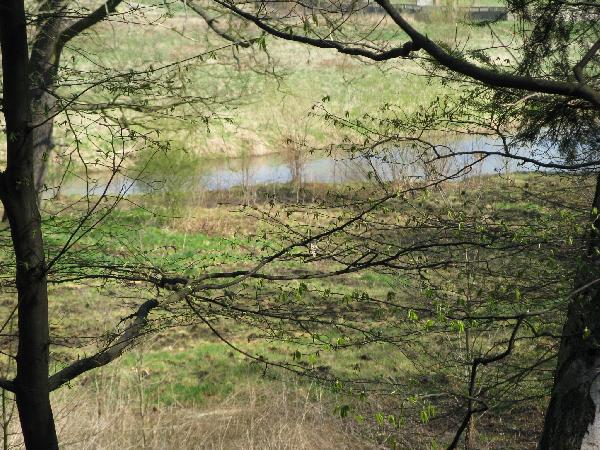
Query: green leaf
x=427 y=413
x=412 y=316
x=458 y=326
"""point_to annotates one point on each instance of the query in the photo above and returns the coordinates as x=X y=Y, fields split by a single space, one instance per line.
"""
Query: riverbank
x=242 y=102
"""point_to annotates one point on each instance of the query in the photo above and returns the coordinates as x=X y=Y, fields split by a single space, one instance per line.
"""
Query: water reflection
x=248 y=172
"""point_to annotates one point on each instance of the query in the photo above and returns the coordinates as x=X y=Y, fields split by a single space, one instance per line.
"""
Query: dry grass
x=220 y=221
x=111 y=413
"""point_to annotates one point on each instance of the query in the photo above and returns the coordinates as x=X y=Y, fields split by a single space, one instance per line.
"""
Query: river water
x=226 y=173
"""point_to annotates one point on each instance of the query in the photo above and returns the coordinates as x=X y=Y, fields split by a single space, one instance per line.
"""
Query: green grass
x=188 y=367
x=208 y=371
x=249 y=112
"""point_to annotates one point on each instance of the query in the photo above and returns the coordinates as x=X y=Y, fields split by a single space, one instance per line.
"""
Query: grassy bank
x=251 y=101
x=183 y=387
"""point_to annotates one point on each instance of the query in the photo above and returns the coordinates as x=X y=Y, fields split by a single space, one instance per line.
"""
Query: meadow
x=183 y=385
x=264 y=99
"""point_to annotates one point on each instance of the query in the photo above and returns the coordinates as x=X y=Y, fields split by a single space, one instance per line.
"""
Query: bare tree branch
x=473 y=379
x=420 y=41
x=396 y=52
x=109 y=354
x=578 y=69
x=7 y=385
x=212 y=22
x=488 y=76
x=83 y=24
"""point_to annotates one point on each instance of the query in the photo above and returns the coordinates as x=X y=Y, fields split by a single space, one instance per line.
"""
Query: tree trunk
x=19 y=196
x=573 y=415
x=43 y=68
x=43 y=143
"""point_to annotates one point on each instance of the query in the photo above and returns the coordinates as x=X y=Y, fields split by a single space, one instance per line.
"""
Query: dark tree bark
x=572 y=418
x=19 y=197
x=573 y=415
x=43 y=68
x=52 y=34
x=43 y=144
x=29 y=106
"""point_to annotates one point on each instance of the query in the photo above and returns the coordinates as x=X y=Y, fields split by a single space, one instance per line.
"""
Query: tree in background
x=538 y=85
x=56 y=25
x=33 y=77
